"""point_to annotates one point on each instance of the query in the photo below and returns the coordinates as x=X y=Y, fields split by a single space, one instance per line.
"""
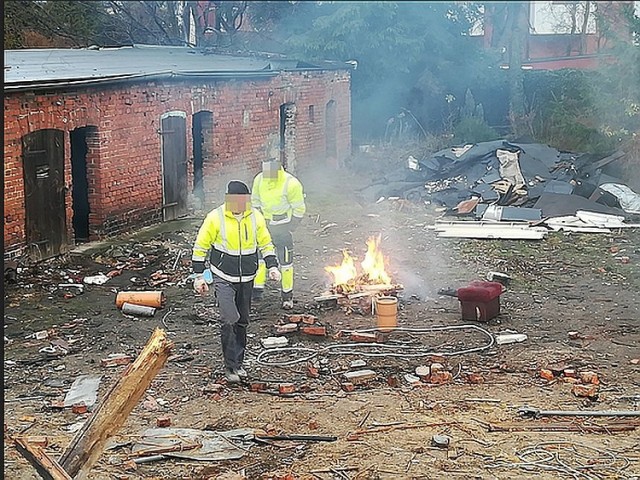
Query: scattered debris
x=536 y=412
x=194 y=444
x=163 y=422
x=116 y=359
x=84 y=390
x=272 y=342
x=507 y=338
x=359 y=377
x=440 y=441
x=142 y=310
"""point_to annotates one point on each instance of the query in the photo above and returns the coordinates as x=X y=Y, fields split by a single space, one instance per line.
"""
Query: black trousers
x=234 y=301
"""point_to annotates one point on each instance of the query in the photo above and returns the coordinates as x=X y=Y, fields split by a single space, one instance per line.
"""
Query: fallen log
x=111 y=413
x=46 y=466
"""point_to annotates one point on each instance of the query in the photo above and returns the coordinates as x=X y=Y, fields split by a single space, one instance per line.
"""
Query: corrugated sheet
x=40 y=68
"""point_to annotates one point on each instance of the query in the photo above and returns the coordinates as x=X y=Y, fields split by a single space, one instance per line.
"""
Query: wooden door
x=174 y=166
x=44 y=192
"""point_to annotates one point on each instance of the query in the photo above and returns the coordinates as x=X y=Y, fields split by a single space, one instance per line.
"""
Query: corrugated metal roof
x=42 y=68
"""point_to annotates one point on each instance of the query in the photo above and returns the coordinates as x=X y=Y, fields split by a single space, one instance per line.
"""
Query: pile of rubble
x=514 y=183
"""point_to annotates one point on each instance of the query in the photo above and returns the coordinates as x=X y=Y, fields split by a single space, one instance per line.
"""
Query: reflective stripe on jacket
x=279 y=199
x=233 y=244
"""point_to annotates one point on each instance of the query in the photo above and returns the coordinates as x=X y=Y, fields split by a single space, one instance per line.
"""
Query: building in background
x=559 y=34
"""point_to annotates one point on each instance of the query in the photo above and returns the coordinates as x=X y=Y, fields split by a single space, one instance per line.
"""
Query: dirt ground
x=561 y=284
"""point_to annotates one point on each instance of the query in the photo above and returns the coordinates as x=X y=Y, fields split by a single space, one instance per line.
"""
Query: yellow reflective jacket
x=233 y=244
x=279 y=199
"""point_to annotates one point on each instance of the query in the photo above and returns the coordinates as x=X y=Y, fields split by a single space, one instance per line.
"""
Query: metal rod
x=535 y=412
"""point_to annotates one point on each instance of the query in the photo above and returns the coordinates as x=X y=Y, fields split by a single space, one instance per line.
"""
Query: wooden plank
x=90 y=441
x=46 y=466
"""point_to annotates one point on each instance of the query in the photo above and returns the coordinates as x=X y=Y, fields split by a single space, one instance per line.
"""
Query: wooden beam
x=46 y=466
x=111 y=413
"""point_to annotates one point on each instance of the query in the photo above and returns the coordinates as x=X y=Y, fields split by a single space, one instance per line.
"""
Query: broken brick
x=572 y=380
x=439 y=378
x=348 y=386
x=213 y=388
x=360 y=376
x=437 y=367
x=57 y=404
x=116 y=360
x=285 y=388
x=366 y=337
x=315 y=330
x=287 y=328
x=589 y=377
x=312 y=371
x=79 y=408
x=546 y=374
x=258 y=387
x=393 y=381
x=475 y=378
x=570 y=372
x=163 y=422
x=589 y=391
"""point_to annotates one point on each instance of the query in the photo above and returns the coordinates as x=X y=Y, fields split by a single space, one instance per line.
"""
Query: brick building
x=97 y=141
x=560 y=34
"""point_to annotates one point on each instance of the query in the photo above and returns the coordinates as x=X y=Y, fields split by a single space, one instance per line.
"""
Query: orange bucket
x=147 y=299
x=387 y=313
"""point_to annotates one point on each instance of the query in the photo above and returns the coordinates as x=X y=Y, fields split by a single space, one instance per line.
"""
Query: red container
x=480 y=301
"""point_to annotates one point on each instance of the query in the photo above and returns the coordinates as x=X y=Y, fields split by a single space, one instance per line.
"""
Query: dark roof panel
x=39 y=68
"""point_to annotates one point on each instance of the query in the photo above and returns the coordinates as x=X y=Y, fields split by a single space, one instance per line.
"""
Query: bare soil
x=561 y=284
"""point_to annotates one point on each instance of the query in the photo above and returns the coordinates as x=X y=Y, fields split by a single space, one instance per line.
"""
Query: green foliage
x=409 y=54
x=473 y=130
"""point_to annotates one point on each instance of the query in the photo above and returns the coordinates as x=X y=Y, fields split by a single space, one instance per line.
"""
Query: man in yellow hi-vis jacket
x=231 y=236
x=280 y=198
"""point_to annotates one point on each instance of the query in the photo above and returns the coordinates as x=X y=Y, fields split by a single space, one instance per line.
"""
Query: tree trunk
x=517 y=110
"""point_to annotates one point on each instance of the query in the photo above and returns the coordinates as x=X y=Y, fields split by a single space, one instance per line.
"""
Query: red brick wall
x=124 y=159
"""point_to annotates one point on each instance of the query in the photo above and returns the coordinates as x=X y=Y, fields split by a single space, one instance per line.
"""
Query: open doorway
x=288 y=136
x=80 y=181
x=202 y=134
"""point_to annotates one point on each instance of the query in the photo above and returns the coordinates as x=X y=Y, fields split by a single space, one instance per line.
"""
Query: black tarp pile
x=530 y=181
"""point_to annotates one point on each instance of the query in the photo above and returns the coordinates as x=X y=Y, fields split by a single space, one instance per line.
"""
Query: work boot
x=287 y=304
x=241 y=372
x=231 y=376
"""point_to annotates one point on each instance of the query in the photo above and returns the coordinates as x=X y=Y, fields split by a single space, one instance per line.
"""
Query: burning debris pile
x=501 y=181
x=353 y=285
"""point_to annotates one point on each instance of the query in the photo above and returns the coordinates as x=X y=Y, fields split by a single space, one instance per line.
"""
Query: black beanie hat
x=236 y=187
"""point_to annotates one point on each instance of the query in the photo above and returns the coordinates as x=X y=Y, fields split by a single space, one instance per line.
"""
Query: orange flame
x=373 y=263
x=344 y=273
x=373 y=271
